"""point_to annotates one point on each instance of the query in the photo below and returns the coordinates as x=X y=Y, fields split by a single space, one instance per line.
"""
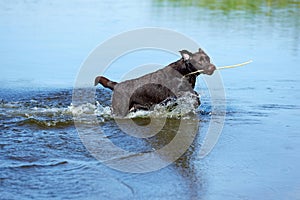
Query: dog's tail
x=105 y=82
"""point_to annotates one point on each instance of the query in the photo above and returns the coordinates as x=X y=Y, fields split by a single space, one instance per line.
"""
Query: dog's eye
x=204 y=59
x=207 y=58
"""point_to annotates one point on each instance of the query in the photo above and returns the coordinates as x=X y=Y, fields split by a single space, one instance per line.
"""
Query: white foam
x=177 y=108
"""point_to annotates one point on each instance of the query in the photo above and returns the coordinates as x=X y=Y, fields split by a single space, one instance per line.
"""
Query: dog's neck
x=184 y=68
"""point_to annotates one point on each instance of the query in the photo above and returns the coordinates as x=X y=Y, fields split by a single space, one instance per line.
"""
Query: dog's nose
x=211 y=69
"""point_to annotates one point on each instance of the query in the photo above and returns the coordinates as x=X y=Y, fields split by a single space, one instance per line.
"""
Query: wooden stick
x=237 y=65
x=220 y=68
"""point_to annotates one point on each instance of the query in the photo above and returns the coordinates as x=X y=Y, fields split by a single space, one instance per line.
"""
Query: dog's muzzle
x=210 y=70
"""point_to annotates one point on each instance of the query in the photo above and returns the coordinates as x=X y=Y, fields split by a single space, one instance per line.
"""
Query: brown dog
x=172 y=81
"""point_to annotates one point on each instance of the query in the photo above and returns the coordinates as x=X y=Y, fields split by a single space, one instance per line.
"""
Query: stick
x=220 y=68
x=233 y=66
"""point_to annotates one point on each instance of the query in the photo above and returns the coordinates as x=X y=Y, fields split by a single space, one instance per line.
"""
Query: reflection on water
x=230 y=5
x=273 y=16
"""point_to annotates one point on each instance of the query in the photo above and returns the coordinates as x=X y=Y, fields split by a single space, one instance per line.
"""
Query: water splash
x=90 y=113
x=180 y=107
x=51 y=113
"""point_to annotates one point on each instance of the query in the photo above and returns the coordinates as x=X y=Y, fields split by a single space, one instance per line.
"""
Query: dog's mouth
x=210 y=70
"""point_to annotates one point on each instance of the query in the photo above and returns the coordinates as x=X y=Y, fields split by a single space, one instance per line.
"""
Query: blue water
x=43 y=45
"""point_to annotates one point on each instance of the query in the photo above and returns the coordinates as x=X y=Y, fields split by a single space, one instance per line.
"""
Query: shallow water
x=42 y=47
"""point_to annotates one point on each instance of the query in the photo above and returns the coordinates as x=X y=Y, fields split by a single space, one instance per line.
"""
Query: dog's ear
x=186 y=55
x=200 y=50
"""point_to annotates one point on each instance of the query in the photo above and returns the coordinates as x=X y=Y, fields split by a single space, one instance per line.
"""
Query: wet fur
x=151 y=89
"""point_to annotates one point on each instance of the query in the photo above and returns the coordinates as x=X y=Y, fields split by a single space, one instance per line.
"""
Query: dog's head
x=199 y=60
